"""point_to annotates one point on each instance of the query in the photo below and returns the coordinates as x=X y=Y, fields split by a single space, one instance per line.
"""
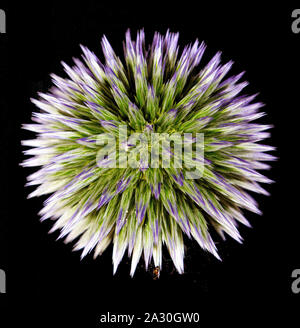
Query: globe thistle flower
x=93 y=147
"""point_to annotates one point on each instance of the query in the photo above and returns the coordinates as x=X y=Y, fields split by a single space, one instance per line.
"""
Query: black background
x=46 y=282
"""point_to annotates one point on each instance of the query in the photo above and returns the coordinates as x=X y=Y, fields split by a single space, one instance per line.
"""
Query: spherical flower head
x=145 y=150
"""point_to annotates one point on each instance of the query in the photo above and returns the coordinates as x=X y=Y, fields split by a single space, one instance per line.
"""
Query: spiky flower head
x=103 y=188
